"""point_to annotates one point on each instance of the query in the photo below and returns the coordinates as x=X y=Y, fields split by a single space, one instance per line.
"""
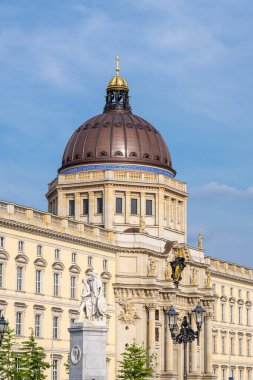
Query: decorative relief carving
x=152 y=267
x=129 y=314
x=194 y=277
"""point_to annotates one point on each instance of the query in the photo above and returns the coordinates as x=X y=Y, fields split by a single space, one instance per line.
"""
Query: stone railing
x=230 y=268
x=42 y=219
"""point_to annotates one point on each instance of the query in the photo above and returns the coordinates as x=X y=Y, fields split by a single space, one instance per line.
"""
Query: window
x=247 y=296
x=105 y=289
x=249 y=374
x=21 y=246
x=231 y=292
x=222 y=312
x=239 y=293
x=157 y=334
x=18 y=364
x=222 y=290
x=149 y=208
x=37 y=327
x=248 y=347
x=240 y=346
x=56 y=284
x=240 y=374
x=73 y=257
x=72 y=287
x=55 y=369
x=99 y=205
x=1 y=241
x=223 y=344
x=57 y=254
x=223 y=372
x=90 y=261
x=71 y=207
x=239 y=315
x=55 y=327
x=1 y=275
x=214 y=343
x=119 y=204
x=157 y=315
x=39 y=250
x=19 y=278
x=231 y=345
x=133 y=206
x=248 y=316
x=214 y=288
x=105 y=264
x=85 y=206
x=231 y=307
x=18 y=323
x=38 y=281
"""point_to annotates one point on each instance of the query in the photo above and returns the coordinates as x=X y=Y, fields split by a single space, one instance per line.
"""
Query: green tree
x=33 y=364
x=136 y=364
x=8 y=357
x=66 y=365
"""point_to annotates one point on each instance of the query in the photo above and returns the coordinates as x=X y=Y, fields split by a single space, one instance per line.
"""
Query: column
x=169 y=350
x=91 y=206
x=128 y=207
x=77 y=206
x=62 y=207
x=151 y=328
x=193 y=350
x=208 y=343
x=143 y=205
x=109 y=207
x=161 y=212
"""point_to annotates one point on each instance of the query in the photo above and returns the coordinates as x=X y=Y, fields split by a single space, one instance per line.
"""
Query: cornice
x=231 y=277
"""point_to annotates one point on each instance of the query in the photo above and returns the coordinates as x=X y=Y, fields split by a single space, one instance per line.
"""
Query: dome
x=117 y=136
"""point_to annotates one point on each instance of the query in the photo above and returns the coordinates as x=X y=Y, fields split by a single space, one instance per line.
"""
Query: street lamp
x=3 y=327
x=186 y=333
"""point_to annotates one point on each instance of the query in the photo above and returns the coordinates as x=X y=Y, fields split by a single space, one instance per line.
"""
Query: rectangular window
x=72 y=287
x=231 y=313
x=222 y=290
x=231 y=292
x=149 y=208
x=99 y=205
x=39 y=250
x=239 y=293
x=105 y=289
x=56 y=284
x=37 y=327
x=223 y=371
x=1 y=241
x=248 y=316
x=55 y=370
x=55 y=327
x=223 y=344
x=231 y=346
x=38 y=281
x=21 y=246
x=1 y=275
x=133 y=206
x=157 y=316
x=248 y=347
x=119 y=203
x=214 y=343
x=240 y=346
x=249 y=374
x=247 y=296
x=90 y=261
x=85 y=206
x=105 y=264
x=57 y=254
x=19 y=278
x=18 y=323
x=71 y=207
x=222 y=312
x=157 y=334
x=73 y=257
x=240 y=374
x=239 y=315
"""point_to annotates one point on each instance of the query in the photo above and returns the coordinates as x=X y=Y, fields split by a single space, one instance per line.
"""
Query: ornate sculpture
x=142 y=224
x=177 y=266
x=168 y=271
x=128 y=315
x=194 y=277
x=208 y=280
x=93 y=304
x=200 y=242
x=152 y=269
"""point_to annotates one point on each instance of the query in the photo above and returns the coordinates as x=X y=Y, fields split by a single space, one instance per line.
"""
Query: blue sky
x=189 y=68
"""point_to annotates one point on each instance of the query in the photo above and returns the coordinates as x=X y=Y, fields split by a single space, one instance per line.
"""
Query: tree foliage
x=33 y=364
x=8 y=356
x=136 y=364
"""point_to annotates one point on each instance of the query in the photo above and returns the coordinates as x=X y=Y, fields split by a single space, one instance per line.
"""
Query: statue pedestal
x=88 y=351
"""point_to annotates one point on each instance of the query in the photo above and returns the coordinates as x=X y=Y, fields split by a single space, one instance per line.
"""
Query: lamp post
x=186 y=333
x=3 y=327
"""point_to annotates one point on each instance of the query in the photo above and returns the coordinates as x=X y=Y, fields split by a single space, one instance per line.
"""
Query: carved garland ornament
x=128 y=315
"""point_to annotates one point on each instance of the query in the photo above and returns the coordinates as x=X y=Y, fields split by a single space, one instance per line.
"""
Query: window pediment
x=21 y=259
x=240 y=301
x=75 y=269
x=4 y=256
x=89 y=270
x=232 y=300
x=223 y=298
x=58 y=266
x=106 y=275
x=248 y=303
x=40 y=262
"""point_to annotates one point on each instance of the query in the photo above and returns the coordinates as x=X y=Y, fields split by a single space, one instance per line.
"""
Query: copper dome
x=117 y=136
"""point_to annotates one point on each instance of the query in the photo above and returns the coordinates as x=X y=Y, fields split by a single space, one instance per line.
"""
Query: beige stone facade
x=44 y=256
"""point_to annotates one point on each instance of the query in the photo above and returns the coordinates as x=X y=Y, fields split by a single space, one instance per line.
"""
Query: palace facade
x=116 y=206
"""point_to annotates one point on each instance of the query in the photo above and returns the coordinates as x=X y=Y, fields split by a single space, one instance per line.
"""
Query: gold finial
x=117 y=65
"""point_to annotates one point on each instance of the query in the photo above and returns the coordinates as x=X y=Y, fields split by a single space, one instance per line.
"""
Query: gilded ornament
x=208 y=280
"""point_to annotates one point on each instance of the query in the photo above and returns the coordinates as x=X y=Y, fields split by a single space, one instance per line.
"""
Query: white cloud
x=217 y=190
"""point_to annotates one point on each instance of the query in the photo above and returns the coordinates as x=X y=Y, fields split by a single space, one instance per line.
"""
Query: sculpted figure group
x=93 y=304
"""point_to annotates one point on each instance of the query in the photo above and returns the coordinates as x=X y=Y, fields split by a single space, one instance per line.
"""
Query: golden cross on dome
x=117 y=65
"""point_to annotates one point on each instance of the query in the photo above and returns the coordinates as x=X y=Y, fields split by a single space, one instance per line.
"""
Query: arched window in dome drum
x=133 y=154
